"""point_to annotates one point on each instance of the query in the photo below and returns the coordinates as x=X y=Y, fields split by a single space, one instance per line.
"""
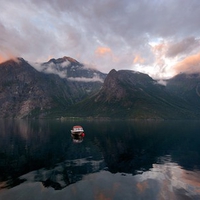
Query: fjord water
x=115 y=160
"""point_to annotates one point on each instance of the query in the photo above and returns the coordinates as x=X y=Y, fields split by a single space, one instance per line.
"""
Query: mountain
x=27 y=92
x=129 y=94
x=186 y=86
x=71 y=69
x=64 y=87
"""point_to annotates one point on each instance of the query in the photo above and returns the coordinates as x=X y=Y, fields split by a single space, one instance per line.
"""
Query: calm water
x=115 y=160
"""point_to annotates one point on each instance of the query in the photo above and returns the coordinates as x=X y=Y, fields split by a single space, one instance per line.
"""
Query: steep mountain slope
x=71 y=69
x=26 y=92
x=127 y=94
x=187 y=87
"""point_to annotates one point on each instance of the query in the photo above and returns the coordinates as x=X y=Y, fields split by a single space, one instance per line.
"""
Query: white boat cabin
x=77 y=129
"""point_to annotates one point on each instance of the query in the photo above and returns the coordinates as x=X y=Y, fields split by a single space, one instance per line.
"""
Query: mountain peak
x=113 y=71
x=15 y=61
x=70 y=59
x=63 y=59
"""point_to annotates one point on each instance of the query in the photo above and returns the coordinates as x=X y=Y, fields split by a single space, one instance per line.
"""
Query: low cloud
x=49 y=69
x=84 y=79
x=65 y=64
x=52 y=68
x=162 y=82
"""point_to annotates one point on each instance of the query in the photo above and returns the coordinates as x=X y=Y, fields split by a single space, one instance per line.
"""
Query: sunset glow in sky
x=158 y=37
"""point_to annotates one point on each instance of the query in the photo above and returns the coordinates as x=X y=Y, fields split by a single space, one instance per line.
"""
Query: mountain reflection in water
x=115 y=160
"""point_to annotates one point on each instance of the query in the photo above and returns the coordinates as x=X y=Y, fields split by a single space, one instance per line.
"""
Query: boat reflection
x=77 y=138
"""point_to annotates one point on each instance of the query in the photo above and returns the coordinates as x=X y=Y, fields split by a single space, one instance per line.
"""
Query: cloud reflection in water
x=163 y=181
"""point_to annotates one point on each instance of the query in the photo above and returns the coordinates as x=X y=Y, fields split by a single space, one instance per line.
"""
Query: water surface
x=115 y=160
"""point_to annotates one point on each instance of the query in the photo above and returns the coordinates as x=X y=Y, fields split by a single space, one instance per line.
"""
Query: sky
x=157 y=37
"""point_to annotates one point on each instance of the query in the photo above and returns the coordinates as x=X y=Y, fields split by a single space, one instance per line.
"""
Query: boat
x=77 y=130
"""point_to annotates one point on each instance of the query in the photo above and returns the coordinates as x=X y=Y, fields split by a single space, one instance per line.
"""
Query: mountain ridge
x=127 y=94
x=67 y=67
x=27 y=92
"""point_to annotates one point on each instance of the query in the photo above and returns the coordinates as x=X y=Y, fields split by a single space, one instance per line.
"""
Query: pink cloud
x=190 y=64
x=103 y=51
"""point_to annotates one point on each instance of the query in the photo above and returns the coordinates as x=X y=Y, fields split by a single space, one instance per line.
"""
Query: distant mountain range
x=66 y=88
